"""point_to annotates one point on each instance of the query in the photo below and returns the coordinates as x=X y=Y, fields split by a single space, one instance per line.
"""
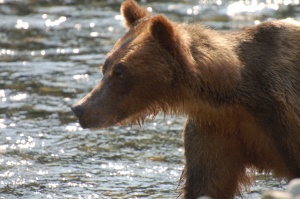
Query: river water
x=50 y=53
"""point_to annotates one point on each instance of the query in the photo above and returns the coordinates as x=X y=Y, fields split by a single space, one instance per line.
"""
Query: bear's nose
x=77 y=110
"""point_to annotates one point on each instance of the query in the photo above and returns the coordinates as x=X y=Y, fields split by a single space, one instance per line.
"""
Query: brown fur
x=239 y=90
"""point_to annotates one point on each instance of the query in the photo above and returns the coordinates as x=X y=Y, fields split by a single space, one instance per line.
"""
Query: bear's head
x=141 y=74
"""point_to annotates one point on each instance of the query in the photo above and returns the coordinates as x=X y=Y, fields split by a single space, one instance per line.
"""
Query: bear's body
x=239 y=90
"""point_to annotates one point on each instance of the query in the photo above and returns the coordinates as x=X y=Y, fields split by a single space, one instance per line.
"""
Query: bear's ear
x=132 y=12
x=163 y=31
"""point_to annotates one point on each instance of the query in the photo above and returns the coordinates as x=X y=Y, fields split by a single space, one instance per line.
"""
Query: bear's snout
x=77 y=110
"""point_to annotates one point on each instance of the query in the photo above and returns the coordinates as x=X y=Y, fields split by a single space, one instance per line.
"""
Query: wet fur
x=239 y=90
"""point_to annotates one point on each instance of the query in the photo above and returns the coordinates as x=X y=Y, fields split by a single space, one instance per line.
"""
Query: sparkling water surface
x=50 y=53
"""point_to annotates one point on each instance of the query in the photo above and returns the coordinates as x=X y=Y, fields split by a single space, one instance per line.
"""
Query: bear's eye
x=118 y=74
x=119 y=71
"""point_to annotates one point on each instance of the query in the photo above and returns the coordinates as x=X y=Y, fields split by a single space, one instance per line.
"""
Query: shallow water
x=50 y=53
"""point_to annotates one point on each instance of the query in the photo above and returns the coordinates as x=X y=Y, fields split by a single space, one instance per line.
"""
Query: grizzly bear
x=239 y=90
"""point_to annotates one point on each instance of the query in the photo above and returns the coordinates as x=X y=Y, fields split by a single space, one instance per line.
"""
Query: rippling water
x=50 y=52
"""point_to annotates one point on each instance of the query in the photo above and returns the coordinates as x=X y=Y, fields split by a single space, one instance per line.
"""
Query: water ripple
x=50 y=53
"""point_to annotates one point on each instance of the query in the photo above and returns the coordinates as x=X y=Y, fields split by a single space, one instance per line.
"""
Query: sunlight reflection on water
x=50 y=53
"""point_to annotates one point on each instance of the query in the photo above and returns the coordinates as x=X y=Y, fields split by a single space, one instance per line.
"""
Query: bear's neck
x=213 y=69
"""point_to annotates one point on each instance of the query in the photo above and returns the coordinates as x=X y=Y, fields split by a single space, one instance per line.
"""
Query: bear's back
x=270 y=55
x=270 y=83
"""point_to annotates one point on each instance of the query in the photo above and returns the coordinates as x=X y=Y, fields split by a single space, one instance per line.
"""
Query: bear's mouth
x=89 y=119
x=98 y=119
x=95 y=124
